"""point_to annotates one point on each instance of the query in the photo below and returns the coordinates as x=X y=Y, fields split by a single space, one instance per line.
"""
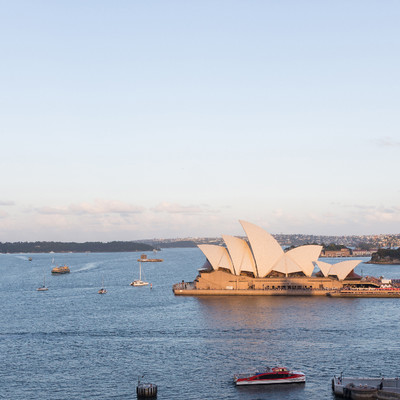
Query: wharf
x=379 y=388
x=388 y=293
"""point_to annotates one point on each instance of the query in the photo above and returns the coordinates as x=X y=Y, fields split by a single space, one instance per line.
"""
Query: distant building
x=362 y=253
x=336 y=253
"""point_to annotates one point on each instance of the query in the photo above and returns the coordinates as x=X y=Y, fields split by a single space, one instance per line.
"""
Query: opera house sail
x=257 y=265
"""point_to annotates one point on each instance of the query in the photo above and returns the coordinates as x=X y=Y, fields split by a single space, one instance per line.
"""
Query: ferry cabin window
x=269 y=376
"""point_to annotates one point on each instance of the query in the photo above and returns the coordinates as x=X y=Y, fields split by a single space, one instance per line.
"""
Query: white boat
x=269 y=376
x=361 y=387
x=43 y=288
x=139 y=282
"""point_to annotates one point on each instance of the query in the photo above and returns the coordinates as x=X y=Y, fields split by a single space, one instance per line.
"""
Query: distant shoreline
x=74 y=252
x=73 y=247
x=395 y=262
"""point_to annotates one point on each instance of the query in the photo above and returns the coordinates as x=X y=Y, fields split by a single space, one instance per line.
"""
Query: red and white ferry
x=269 y=376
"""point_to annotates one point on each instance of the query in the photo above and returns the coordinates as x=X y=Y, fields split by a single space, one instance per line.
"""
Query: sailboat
x=139 y=282
x=43 y=288
x=103 y=290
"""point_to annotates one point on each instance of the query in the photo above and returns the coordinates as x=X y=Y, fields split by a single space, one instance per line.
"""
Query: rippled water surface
x=72 y=343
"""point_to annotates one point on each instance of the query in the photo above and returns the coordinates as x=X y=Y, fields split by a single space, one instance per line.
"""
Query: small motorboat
x=103 y=290
x=269 y=376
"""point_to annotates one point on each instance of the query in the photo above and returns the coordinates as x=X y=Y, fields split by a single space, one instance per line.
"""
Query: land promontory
x=386 y=256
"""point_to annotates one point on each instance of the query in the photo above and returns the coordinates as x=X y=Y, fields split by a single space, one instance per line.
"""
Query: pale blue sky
x=126 y=120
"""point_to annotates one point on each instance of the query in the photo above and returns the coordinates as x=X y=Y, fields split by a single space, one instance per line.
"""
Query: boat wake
x=88 y=267
x=26 y=258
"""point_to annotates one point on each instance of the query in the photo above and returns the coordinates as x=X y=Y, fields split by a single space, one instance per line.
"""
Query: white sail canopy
x=240 y=254
x=217 y=256
x=324 y=267
x=266 y=249
x=286 y=265
x=304 y=256
x=340 y=269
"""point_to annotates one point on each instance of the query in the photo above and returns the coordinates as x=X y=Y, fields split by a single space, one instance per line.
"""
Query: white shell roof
x=217 y=256
x=266 y=249
x=324 y=267
x=240 y=254
x=304 y=256
x=265 y=255
x=286 y=265
x=342 y=269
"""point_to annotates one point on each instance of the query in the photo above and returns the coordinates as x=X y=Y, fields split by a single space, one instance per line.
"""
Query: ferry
x=269 y=376
x=143 y=258
x=61 y=270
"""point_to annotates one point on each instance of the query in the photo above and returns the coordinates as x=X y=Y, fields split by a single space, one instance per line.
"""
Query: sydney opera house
x=259 y=266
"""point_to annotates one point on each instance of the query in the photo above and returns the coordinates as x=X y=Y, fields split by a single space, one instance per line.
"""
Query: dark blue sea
x=72 y=343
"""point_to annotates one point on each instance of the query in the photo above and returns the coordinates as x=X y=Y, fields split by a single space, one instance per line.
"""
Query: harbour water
x=72 y=343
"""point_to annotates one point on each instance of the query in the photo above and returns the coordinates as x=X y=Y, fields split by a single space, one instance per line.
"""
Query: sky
x=129 y=120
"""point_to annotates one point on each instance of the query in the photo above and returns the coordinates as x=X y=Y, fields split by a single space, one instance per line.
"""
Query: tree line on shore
x=64 y=247
x=386 y=256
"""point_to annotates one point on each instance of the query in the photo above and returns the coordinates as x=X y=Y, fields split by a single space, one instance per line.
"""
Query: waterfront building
x=363 y=253
x=337 y=253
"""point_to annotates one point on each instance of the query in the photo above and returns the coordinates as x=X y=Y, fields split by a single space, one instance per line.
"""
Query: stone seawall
x=314 y=292
x=247 y=292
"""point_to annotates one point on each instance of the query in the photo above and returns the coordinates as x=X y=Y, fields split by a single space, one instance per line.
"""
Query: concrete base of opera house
x=247 y=292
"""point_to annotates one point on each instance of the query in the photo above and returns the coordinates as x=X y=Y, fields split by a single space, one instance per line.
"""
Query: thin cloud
x=356 y=220
x=7 y=203
x=375 y=215
x=383 y=214
x=387 y=141
x=52 y=210
x=174 y=208
x=98 y=207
